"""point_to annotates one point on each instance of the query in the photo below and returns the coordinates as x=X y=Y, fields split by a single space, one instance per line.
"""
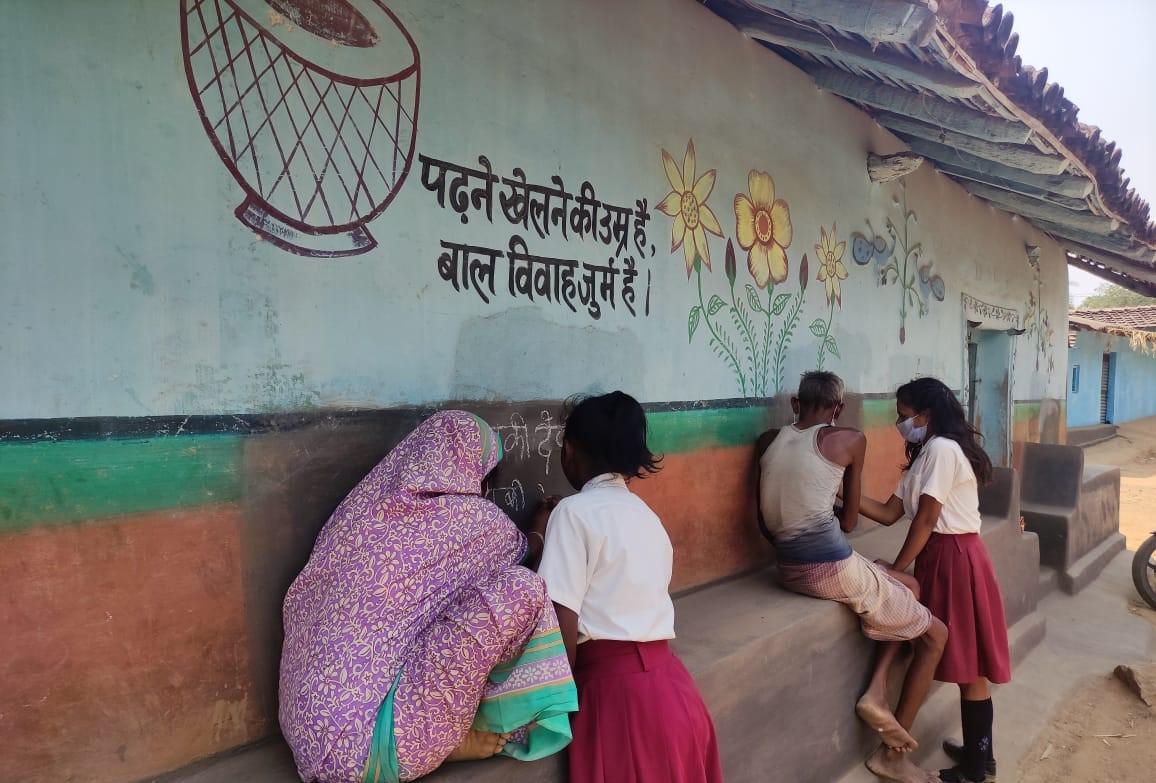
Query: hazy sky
x=1103 y=53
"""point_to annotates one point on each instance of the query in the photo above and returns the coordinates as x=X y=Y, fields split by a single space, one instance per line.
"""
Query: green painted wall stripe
x=878 y=414
x=676 y=431
x=1025 y=410
x=51 y=483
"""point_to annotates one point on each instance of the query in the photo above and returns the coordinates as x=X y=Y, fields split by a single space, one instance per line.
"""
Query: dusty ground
x=1134 y=450
x=1103 y=733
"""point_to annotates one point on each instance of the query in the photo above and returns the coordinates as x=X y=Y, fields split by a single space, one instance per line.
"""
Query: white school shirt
x=608 y=558
x=942 y=471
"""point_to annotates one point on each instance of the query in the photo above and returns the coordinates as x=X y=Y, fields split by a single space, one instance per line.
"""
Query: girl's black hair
x=611 y=431
x=947 y=421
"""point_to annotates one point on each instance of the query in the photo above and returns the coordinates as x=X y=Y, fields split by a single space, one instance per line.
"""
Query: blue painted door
x=989 y=366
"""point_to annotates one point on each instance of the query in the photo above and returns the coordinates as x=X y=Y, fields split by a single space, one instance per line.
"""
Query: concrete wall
x=188 y=393
x=1132 y=391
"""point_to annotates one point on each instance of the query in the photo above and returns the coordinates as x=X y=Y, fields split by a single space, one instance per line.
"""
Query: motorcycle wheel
x=1144 y=570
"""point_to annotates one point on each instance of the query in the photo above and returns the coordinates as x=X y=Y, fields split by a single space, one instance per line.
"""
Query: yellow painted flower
x=686 y=203
x=763 y=228
x=831 y=269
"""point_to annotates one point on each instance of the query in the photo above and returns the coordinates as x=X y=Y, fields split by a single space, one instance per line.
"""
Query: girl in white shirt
x=607 y=565
x=939 y=493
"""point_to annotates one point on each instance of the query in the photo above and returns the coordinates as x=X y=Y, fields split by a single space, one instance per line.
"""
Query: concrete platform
x=1088 y=634
x=779 y=672
x=1090 y=435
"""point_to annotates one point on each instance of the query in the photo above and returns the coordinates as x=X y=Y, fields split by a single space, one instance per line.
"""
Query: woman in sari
x=412 y=635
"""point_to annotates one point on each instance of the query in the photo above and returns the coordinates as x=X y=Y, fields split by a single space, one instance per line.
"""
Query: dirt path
x=1134 y=451
x=1104 y=733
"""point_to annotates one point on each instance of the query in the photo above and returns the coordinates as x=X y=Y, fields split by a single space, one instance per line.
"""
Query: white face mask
x=910 y=432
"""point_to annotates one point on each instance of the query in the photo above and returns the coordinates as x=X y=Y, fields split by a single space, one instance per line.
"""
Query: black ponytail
x=611 y=431
x=948 y=420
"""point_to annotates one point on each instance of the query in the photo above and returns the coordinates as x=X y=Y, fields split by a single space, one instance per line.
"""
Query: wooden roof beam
x=856 y=55
x=1033 y=208
x=1072 y=187
x=1117 y=245
x=924 y=108
x=960 y=172
x=1101 y=265
x=1014 y=155
x=909 y=22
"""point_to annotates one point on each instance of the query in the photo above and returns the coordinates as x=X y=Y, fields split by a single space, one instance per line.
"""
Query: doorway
x=1107 y=383
x=989 y=354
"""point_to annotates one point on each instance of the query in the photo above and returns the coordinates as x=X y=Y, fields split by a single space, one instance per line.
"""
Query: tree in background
x=1109 y=295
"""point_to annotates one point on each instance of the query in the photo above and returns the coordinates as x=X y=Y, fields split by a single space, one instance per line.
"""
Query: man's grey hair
x=819 y=389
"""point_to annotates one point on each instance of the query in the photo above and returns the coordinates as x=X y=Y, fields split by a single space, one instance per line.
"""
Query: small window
x=1075 y=379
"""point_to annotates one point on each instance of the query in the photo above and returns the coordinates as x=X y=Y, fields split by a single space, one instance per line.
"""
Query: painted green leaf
x=818 y=327
x=715 y=304
x=753 y=299
x=832 y=348
x=692 y=322
x=780 y=303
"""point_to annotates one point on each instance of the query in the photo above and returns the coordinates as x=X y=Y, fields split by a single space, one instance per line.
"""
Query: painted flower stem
x=784 y=341
x=715 y=333
x=826 y=333
x=766 y=377
x=747 y=335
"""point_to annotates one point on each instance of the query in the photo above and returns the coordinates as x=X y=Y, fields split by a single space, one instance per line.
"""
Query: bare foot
x=892 y=765
x=880 y=718
x=479 y=745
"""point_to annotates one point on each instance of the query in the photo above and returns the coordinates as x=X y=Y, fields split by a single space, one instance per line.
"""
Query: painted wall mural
x=320 y=150
x=899 y=260
x=1037 y=323
x=751 y=333
x=743 y=338
x=829 y=255
x=547 y=210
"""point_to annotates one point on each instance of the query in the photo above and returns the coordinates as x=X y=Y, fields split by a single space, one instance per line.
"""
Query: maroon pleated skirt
x=640 y=718
x=957 y=583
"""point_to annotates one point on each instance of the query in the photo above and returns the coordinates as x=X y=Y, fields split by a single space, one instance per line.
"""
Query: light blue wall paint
x=1132 y=390
x=1135 y=383
x=993 y=405
x=1084 y=405
x=129 y=288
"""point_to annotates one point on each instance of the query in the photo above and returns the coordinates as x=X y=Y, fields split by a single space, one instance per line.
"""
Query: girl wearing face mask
x=939 y=494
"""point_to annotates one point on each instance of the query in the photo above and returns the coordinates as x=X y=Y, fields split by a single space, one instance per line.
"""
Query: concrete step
x=763 y=658
x=1091 y=434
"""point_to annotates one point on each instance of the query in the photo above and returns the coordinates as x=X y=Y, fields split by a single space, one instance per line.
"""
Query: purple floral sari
x=413 y=592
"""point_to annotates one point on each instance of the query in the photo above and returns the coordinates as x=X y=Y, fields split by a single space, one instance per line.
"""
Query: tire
x=1144 y=570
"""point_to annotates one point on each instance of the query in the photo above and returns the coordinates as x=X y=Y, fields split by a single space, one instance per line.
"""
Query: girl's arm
x=568 y=625
x=853 y=484
x=921 y=528
x=884 y=513
x=536 y=535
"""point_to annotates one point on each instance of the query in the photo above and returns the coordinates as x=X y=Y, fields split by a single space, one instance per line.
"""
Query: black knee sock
x=977 y=718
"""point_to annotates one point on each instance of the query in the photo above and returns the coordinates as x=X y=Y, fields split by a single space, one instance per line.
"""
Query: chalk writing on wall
x=531 y=439
x=547 y=210
x=319 y=150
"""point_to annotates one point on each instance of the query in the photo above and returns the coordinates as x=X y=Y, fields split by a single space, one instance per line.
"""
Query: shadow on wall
x=1051 y=421
x=542 y=359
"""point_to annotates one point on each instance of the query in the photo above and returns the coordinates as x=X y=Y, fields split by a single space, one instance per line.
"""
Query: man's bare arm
x=761 y=445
